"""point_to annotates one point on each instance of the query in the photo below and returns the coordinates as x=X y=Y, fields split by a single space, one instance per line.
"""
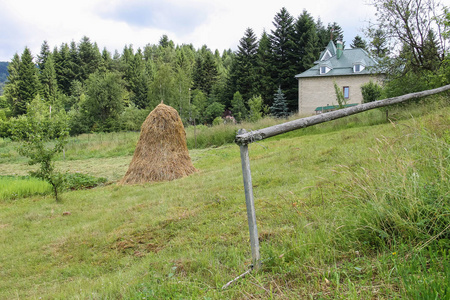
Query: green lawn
x=344 y=212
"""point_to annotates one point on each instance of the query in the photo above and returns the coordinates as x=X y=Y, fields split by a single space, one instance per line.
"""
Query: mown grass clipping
x=161 y=153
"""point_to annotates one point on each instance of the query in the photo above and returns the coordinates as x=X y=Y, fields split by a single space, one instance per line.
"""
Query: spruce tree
x=336 y=33
x=64 y=73
x=358 y=42
x=49 y=85
x=11 y=89
x=279 y=109
x=264 y=69
x=284 y=58
x=307 y=41
x=244 y=74
x=28 y=82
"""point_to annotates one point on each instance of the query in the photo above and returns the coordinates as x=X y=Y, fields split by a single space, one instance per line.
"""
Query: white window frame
x=326 y=69
x=361 y=67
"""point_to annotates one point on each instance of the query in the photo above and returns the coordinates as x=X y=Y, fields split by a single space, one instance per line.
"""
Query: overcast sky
x=219 y=24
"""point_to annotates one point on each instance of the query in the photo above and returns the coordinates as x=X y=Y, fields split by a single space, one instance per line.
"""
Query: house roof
x=343 y=65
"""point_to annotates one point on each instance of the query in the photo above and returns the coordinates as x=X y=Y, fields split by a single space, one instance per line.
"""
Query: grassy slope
x=187 y=238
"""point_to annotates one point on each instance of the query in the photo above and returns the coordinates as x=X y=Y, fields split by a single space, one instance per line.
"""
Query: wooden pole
x=249 y=137
x=250 y=203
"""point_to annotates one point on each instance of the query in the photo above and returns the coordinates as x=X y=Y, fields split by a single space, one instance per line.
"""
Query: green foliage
x=371 y=91
x=358 y=42
x=213 y=111
x=104 y=101
x=78 y=181
x=12 y=187
x=238 y=107
x=279 y=108
x=339 y=95
x=256 y=107
x=43 y=135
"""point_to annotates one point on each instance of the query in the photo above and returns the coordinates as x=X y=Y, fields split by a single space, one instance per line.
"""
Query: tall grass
x=20 y=187
x=405 y=196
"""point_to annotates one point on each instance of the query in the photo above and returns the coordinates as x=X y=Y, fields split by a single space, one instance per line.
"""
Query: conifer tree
x=307 y=41
x=64 y=73
x=244 y=76
x=11 y=89
x=42 y=57
x=279 y=108
x=358 y=42
x=264 y=69
x=49 y=85
x=28 y=82
x=284 y=59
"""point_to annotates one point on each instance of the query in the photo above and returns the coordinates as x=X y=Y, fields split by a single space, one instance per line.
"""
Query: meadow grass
x=12 y=187
x=344 y=212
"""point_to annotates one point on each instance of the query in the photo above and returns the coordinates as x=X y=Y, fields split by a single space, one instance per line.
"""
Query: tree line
x=104 y=91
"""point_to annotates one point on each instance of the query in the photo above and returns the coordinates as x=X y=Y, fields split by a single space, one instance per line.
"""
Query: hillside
x=344 y=212
x=3 y=71
x=3 y=74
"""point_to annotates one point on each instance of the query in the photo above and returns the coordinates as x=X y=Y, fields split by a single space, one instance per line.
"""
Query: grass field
x=353 y=209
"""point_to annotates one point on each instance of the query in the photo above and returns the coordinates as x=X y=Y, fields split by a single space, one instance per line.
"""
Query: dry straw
x=161 y=153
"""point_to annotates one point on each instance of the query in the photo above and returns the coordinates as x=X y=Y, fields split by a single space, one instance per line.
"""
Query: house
x=349 y=68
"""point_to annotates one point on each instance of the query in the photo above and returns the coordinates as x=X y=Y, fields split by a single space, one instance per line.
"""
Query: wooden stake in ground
x=161 y=153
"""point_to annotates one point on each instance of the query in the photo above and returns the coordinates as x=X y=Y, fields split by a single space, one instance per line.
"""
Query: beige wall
x=319 y=91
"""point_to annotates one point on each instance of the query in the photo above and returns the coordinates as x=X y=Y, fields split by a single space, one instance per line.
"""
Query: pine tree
x=28 y=82
x=336 y=33
x=378 y=44
x=307 y=41
x=279 y=108
x=49 y=85
x=42 y=57
x=11 y=90
x=64 y=73
x=243 y=74
x=90 y=57
x=205 y=71
x=264 y=69
x=284 y=59
x=358 y=42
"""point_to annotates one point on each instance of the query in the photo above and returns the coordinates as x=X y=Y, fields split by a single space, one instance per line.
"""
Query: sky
x=112 y=24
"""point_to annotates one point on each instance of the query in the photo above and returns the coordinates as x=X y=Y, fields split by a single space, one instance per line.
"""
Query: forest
x=100 y=91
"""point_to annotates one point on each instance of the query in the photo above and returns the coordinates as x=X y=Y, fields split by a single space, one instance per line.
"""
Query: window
x=346 y=92
x=326 y=56
x=358 y=68
x=324 y=69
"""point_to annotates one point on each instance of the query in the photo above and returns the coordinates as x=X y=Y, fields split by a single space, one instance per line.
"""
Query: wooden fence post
x=249 y=201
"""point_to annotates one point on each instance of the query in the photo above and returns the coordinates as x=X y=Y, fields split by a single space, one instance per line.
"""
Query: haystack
x=161 y=153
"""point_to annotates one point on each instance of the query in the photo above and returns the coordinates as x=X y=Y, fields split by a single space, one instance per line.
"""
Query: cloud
x=179 y=17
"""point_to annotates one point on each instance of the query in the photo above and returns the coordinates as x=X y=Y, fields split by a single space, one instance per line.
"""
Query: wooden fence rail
x=257 y=135
x=243 y=138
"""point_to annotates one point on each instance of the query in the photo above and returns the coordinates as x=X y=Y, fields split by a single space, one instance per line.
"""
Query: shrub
x=371 y=91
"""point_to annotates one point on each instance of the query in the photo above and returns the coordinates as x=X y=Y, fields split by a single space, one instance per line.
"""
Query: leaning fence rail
x=243 y=138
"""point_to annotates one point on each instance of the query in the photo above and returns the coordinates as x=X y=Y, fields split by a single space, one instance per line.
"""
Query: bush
x=371 y=91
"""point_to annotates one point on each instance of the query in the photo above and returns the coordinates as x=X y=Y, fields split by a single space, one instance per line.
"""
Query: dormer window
x=324 y=69
x=327 y=55
x=358 y=68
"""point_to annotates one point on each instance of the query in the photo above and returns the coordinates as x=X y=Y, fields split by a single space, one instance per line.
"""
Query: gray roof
x=343 y=65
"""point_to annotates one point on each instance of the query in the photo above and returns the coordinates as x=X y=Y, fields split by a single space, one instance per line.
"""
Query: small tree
x=256 y=106
x=43 y=136
x=370 y=92
x=279 y=108
x=238 y=107
x=339 y=96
